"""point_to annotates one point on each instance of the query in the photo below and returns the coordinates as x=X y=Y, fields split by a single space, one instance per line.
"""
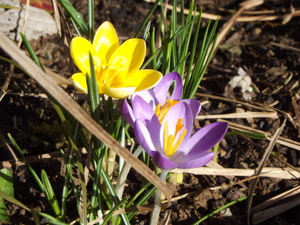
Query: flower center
x=171 y=141
x=107 y=75
x=161 y=111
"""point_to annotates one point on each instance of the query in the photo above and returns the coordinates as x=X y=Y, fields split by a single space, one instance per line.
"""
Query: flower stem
x=157 y=203
x=124 y=173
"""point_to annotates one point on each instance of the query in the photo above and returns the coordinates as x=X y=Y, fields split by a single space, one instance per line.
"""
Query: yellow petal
x=106 y=41
x=80 y=48
x=128 y=58
x=146 y=79
x=79 y=81
x=118 y=93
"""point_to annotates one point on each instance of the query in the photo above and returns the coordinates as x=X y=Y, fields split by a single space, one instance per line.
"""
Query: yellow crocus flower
x=117 y=66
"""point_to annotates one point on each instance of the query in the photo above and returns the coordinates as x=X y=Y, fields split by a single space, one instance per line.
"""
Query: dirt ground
x=268 y=51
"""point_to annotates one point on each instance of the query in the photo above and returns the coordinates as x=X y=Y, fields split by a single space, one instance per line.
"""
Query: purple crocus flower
x=163 y=125
x=170 y=142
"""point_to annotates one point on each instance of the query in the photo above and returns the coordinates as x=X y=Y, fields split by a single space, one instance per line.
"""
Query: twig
x=279 y=208
x=297 y=113
x=284 y=46
x=280 y=173
x=240 y=115
x=24 y=22
x=273 y=200
x=247 y=104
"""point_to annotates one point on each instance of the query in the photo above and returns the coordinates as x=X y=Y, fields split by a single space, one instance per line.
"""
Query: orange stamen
x=161 y=111
x=169 y=146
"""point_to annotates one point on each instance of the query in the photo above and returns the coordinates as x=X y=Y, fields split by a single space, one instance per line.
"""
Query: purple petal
x=141 y=109
x=143 y=137
x=205 y=139
x=195 y=106
x=163 y=161
x=148 y=96
x=197 y=162
x=127 y=113
x=161 y=90
x=156 y=133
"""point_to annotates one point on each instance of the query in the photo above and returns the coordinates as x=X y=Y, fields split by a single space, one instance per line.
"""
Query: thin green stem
x=221 y=208
x=124 y=173
x=157 y=203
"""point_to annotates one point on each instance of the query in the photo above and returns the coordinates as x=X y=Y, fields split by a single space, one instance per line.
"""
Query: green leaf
x=31 y=51
x=6 y=186
x=147 y=17
x=50 y=194
x=93 y=90
x=223 y=207
x=9 y=7
x=14 y=143
x=76 y=16
x=111 y=212
x=91 y=20
x=114 y=195
x=247 y=134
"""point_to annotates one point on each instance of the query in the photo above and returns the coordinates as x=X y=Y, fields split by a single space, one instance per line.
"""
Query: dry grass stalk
x=272 y=172
x=247 y=104
x=279 y=208
x=283 y=201
x=292 y=192
x=240 y=115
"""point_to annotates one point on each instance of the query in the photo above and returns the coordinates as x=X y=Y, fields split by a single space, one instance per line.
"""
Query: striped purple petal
x=141 y=109
x=205 y=138
x=143 y=137
x=163 y=161
x=195 y=162
x=127 y=112
x=148 y=96
x=194 y=105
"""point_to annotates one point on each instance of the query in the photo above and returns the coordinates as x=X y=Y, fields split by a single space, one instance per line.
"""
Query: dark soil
x=32 y=121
